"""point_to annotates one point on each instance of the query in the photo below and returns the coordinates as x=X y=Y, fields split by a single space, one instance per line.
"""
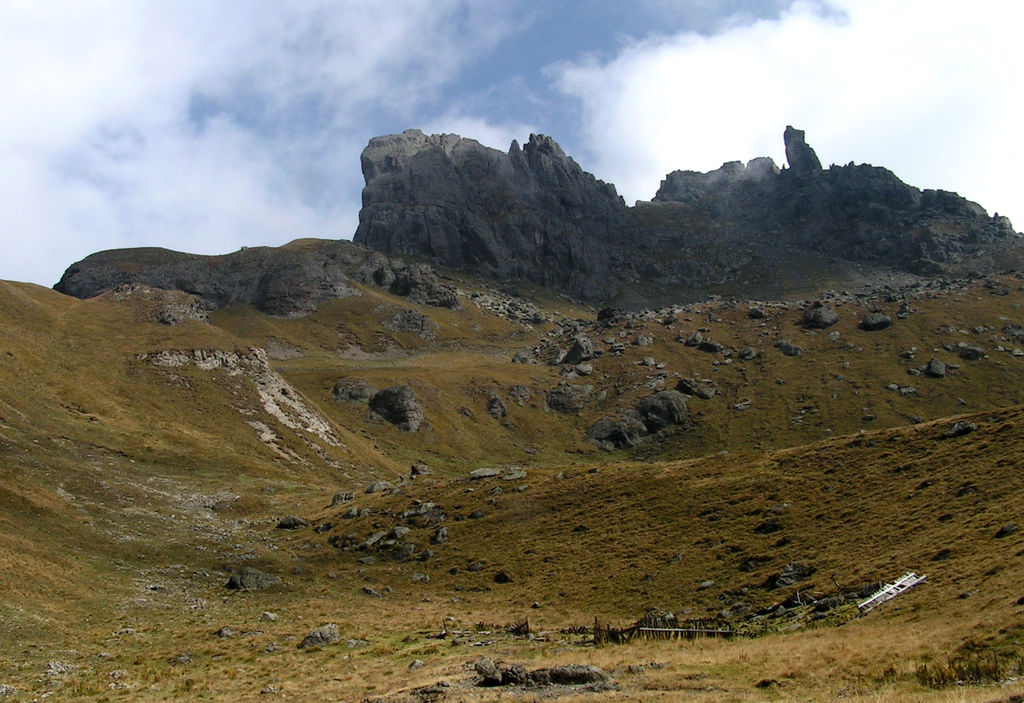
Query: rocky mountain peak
x=799 y=155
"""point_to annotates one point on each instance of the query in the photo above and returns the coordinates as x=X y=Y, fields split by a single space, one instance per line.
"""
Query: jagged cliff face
x=531 y=214
x=534 y=215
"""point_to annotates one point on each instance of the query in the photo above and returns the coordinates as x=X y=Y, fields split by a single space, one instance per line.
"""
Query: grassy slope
x=124 y=491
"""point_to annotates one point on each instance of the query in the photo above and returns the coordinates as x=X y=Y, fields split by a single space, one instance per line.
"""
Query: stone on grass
x=321 y=636
x=251 y=579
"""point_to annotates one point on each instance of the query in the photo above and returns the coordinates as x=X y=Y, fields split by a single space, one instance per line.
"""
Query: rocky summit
x=533 y=215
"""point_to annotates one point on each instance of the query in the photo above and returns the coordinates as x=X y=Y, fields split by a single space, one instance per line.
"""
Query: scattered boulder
x=875 y=321
x=292 y=522
x=406 y=320
x=610 y=434
x=790 y=574
x=574 y=675
x=568 y=398
x=484 y=472
x=399 y=406
x=820 y=316
x=519 y=394
x=251 y=579
x=378 y=487
x=935 y=369
x=440 y=537
x=342 y=497
x=321 y=636
x=496 y=408
x=488 y=672
x=971 y=353
x=353 y=390
x=662 y=409
x=694 y=339
x=582 y=349
x=700 y=388
x=788 y=348
x=959 y=429
x=1006 y=530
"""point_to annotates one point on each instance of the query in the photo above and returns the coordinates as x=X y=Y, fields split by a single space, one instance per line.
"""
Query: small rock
x=788 y=348
x=268 y=616
x=416 y=664
x=488 y=672
x=502 y=577
x=292 y=522
x=321 y=636
x=875 y=321
x=1006 y=530
x=225 y=632
x=496 y=408
x=972 y=353
x=959 y=428
x=477 y=474
x=343 y=497
x=820 y=316
x=378 y=487
x=371 y=592
x=252 y=579
x=577 y=675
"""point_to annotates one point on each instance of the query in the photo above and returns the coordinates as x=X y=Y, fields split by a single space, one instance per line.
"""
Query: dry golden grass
x=127 y=491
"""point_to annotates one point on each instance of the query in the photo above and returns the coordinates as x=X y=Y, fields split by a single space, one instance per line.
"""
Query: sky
x=208 y=125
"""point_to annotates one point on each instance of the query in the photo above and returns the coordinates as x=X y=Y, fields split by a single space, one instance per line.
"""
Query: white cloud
x=929 y=90
x=206 y=126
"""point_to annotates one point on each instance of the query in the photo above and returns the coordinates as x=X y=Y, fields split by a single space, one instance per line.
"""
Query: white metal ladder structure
x=890 y=590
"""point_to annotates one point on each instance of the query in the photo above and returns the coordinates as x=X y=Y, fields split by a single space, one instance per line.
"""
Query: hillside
x=149 y=449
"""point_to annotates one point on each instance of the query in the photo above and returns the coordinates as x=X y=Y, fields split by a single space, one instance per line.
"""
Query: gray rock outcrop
x=252 y=579
x=799 y=155
x=529 y=214
x=287 y=281
x=399 y=406
x=533 y=215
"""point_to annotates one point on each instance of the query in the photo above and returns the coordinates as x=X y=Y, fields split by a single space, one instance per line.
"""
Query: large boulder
x=622 y=433
x=819 y=316
x=321 y=636
x=399 y=406
x=569 y=398
x=661 y=410
x=353 y=390
x=250 y=579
